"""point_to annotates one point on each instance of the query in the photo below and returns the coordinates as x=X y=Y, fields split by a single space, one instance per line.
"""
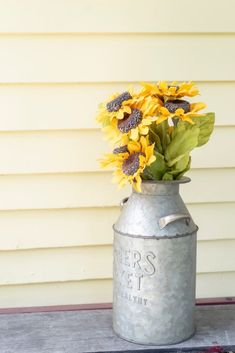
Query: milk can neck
x=161 y=187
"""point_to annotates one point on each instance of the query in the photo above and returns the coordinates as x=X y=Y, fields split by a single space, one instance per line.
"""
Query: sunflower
x=127 y=113
x=130 y=161
x=173 y=90
x=115 y=107
x=180 y=109
x=135 y=124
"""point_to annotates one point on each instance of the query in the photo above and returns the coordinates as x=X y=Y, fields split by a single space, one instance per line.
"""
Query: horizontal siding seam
x=92 y=172
x=100 y=206
x=101 y=245
x=83 y=129
x=105 y=244
x=91 y=279
x=55 y=282
x=74 y=83
x=116 y=33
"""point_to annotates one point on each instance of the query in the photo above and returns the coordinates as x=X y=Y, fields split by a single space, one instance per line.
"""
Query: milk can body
x=154 y=266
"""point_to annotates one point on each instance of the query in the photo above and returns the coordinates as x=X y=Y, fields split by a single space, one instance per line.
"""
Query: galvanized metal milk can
x=154 y=266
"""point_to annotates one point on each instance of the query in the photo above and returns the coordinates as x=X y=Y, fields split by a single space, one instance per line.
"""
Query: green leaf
x=179 y=176
x=181 y=165
x=206 y=126
x=162 y=131
x=146 y=175
x=157 y=168
x=155 y=138
x=183 y=141
x=167 y=176
x=181 y=126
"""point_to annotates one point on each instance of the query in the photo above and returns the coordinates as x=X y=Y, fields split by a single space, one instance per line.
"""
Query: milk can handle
x=122 y=203
x=164 y=221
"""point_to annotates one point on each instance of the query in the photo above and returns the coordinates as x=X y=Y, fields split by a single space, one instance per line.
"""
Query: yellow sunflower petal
x=137 y=184
x=122 y=182
x=188 y=119
x=163 y=86
x=113 y=160
x=147 y=121
x=144 y=144
x=119 y=177
x=193 y=92
x=179 y=112
x=151 y=160
x=149 y=152
x=142 y=161
x=125 y=139
x=161 y=119
x=143 y=130
x=120 y=114
x=127 y=109
x=172 y=90
x=133 y=146
x=195 y=107
x=164 y=111
x=134 y=135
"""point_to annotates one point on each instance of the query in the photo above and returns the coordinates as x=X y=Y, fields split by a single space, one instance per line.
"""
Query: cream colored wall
x=58 y=60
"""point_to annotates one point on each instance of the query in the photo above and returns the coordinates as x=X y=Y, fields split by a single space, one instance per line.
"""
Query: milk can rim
x=183 y=180
x=157 y=237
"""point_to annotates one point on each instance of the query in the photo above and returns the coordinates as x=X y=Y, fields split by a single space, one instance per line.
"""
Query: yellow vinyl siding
x=58 y=60
x=89 y=58
x=98 y=16
x=60 y=151
x=74 y=227
x=43 y=191
x=34 y=107
x=74 y=263
x=79 y=292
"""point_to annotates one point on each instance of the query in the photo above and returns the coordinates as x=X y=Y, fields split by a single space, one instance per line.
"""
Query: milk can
x=154 y=266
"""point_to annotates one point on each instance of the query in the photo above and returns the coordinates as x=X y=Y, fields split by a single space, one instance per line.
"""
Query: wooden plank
x=98 y=291
x=79 y=151
x=92 y=332
x=73 y=106
x=95 y=189
x=103 y=306
x=35 y=229
x=71 y=58
x=93 y=306
x=73 y=264
x=87 y=16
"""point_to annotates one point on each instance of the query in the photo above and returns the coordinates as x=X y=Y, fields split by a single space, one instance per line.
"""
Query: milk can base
x=154 y=344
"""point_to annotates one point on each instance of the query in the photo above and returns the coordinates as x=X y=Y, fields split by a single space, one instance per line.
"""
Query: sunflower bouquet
x=153 y=131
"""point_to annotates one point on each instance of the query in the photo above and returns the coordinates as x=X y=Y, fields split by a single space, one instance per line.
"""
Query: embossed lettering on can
x=132 y=269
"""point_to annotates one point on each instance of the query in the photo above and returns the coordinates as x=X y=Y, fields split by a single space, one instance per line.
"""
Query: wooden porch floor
x=91 y=331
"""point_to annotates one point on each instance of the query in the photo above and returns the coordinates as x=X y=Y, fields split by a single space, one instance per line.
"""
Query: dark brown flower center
x=130 y=121
x=131 y=164
x=121 y=149
x=173 y=105
x=116 y=103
